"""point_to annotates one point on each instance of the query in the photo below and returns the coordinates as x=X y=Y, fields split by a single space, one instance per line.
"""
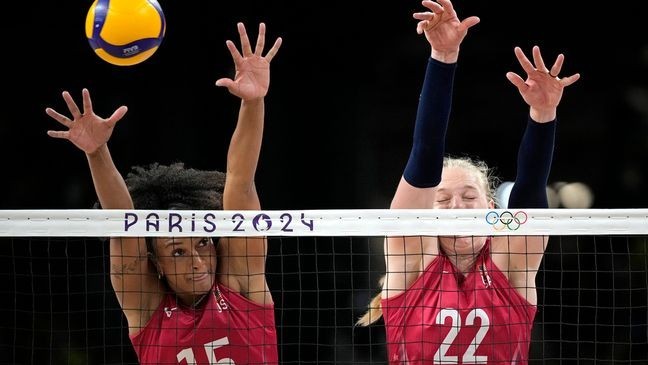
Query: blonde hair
x=478 y=168
x=488 y=181
x=375 y=310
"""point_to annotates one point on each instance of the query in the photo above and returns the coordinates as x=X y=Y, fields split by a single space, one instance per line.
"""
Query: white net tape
x=362 y=222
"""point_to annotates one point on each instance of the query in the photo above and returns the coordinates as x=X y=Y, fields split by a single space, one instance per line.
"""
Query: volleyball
x=125 y=32
x=576 y=195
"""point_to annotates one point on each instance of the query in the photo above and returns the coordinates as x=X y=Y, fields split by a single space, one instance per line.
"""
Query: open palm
x=441 y=26
x=86 y=130
x=252 y=78
x=542 y=89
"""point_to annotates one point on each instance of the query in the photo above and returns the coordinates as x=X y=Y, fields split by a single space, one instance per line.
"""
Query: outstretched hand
x=543 y=88
x=86 y=130
x=252 y=77
x=441 y=26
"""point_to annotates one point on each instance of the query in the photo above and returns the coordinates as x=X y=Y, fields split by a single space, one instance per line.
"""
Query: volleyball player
x=466 y=299
x=189 y=300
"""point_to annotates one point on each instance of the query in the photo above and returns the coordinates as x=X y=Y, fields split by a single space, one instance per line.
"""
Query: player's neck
x=191 y=301
x=198 y=301
x=464 y=263
x=463 y=252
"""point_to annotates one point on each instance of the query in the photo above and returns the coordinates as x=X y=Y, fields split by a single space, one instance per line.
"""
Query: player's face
x=461 y=189
x=188 y=264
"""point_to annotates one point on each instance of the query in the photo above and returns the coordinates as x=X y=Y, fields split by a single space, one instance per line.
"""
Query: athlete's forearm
x=243 y=157
x=425 y=162
x=533 y=166
x=108 y=182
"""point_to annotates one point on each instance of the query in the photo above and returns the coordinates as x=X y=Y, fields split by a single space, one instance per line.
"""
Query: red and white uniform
x=227 y=329
x=448 y=318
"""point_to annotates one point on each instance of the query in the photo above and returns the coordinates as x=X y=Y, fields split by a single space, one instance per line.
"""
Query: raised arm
x=243 y=259
x=137 y=288
x=542 y=91
x=444 y=32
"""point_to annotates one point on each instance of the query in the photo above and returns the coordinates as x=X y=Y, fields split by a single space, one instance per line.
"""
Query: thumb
x=516 y=80
x=118 y=115
x=225 y=82
x=469 y=22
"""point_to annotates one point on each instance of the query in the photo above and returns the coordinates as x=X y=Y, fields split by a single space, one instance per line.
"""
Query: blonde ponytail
x=375 y=310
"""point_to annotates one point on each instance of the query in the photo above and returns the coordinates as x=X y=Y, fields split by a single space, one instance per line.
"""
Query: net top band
x=347 y=222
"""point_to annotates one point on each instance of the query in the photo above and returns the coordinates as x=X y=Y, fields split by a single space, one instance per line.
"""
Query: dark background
x=339 y=122
x=342 y=100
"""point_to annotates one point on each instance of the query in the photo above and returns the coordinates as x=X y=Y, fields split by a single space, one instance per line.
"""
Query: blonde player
x=466 y=300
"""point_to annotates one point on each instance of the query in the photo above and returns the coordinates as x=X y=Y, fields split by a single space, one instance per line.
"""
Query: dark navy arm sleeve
x=425 y=162
x=533 y=166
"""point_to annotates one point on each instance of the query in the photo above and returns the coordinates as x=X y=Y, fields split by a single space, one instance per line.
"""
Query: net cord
x=347 y=222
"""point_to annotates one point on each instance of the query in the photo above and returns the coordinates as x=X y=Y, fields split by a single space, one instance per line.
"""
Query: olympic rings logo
x=511 y=221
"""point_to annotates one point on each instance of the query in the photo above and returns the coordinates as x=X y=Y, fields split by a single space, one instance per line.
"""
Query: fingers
x=557 y=66
x=516 y=80
x=469 y=22
x=566 y=81
x=434 y=6
x=59 y=134
x=424 y=15
x=87 y=102
x=447 y=5
x=87 y=106
x=58 y=117
x=117 y=115
x=428 y=21
x=236 y=55
x=232 y=87
x=260 y=40
x=246 y=47
x=72 y=107
x=537 y=59
x=420 y=26
x=225 y=82
x=245 y=41
x=527 y=66
x=540 y=65
x=273 y=51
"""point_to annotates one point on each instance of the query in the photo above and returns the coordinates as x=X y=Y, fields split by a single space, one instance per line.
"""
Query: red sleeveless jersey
x=227 y=329
x=447 y=318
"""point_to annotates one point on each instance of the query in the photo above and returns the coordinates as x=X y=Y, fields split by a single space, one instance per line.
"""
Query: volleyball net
x=322 y=268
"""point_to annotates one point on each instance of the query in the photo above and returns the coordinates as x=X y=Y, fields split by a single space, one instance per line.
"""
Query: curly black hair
x=175 y=186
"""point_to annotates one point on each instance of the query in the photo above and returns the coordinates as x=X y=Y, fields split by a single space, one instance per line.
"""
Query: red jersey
x=227 y=329
x=448 y=318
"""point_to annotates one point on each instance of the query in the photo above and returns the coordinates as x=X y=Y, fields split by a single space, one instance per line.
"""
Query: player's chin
x=459 y=238
x=201 y=283
x=200 y=288
x=467 y=242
